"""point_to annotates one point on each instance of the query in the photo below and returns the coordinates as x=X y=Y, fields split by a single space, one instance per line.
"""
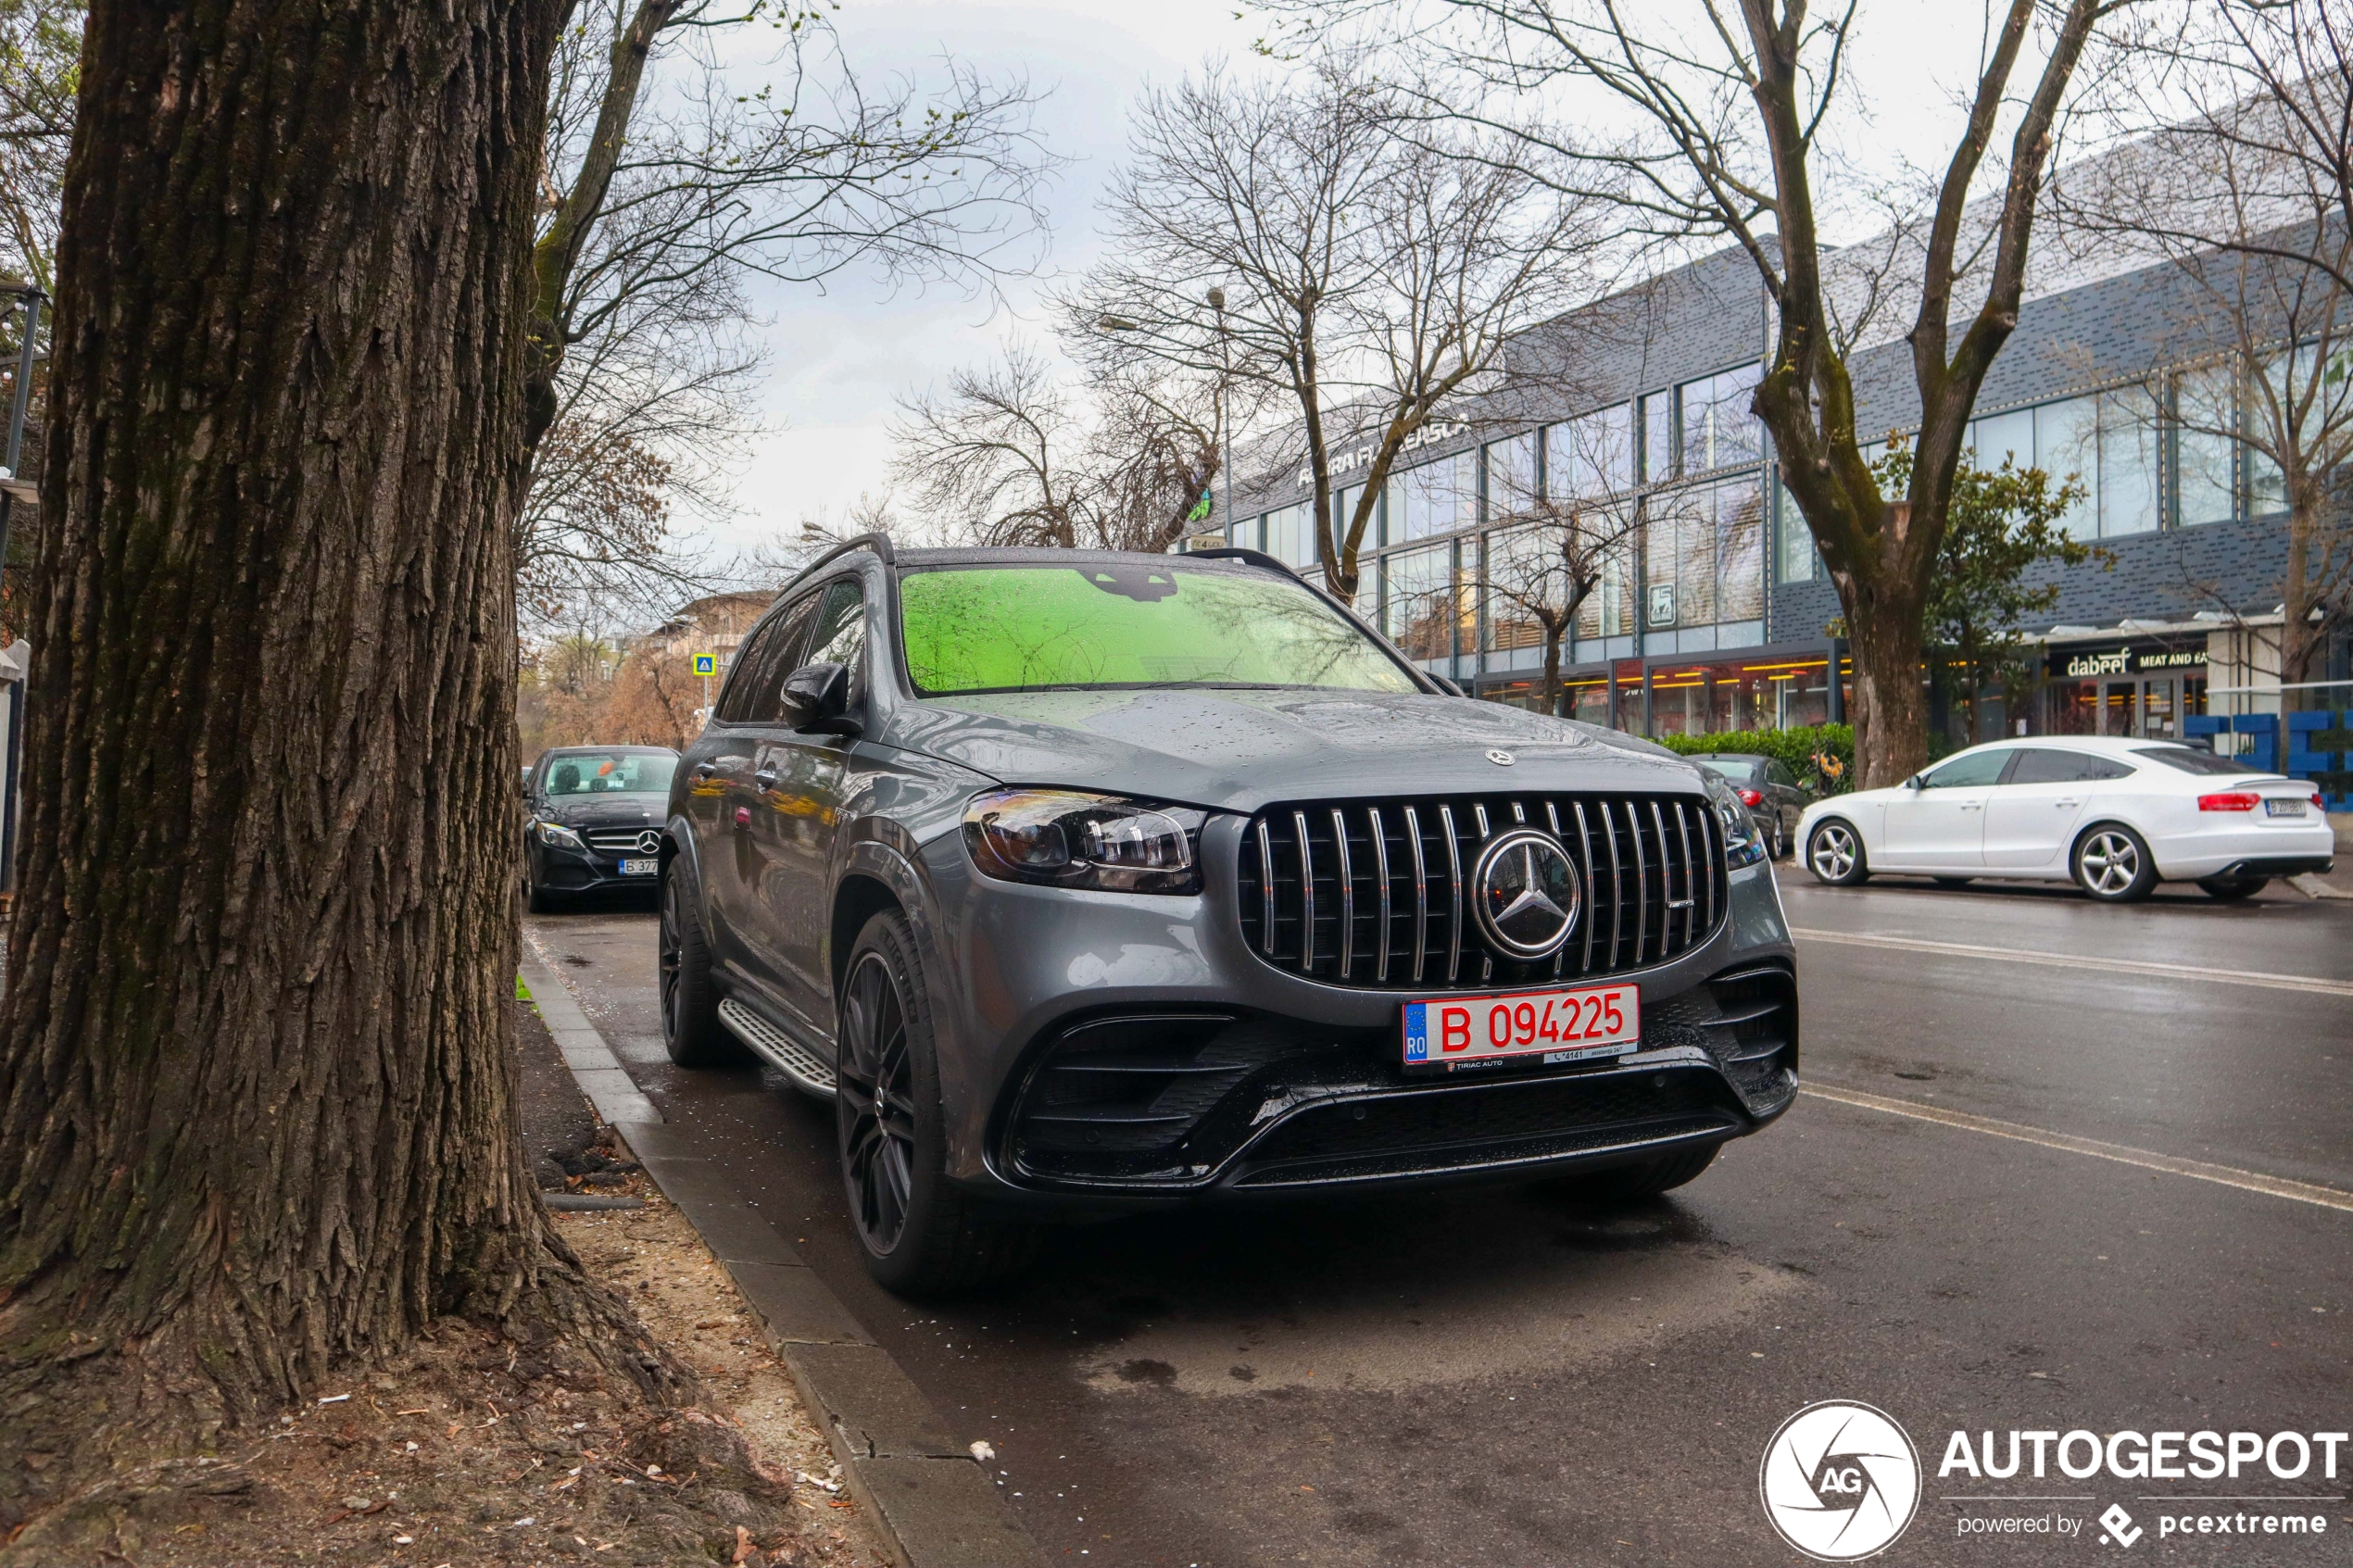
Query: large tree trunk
x=257 y=1095
x=1883 y=623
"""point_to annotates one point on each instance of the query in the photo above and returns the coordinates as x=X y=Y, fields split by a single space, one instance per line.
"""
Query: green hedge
x=1794 y=749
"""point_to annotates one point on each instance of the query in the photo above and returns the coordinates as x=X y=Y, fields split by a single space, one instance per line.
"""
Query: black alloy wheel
x=690 y=1028
x=921 y=1233
x=876 y=1098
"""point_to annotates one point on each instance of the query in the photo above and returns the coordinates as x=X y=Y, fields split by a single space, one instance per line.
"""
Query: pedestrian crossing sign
x=705 y=664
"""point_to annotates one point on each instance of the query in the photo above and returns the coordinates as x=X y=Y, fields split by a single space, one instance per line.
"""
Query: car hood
x=1240 y=749
x=589 y=811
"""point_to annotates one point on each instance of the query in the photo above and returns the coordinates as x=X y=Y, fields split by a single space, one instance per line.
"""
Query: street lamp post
x=1225 y=430
x=1224 y=378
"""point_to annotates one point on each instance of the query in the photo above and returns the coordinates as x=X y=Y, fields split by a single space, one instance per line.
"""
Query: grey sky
x=841 y=357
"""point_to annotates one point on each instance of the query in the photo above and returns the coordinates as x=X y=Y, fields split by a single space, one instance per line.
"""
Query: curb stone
x=931 y=1502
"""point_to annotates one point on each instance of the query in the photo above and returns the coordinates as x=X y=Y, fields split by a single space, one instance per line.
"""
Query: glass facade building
x=1650 y=532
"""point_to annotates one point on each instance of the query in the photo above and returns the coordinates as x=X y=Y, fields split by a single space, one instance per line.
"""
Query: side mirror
x=1918 y=780
x=526 y=784
x=815 y=699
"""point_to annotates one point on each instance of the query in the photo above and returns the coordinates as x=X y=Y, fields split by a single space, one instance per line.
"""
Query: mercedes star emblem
x=649 y=842
x=1502 y=758
x=1527 y=894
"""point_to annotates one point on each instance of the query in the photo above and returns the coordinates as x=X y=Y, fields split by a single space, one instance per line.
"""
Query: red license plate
x=1591 y=1020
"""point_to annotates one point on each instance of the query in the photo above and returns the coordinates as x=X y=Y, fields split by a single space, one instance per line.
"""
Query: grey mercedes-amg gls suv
x=1094 y=881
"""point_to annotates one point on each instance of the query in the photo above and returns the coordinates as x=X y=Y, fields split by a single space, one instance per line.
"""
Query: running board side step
x=810 y=1073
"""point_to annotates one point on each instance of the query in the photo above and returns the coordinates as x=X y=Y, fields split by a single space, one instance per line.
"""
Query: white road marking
x=2070 y=961
x=2123 y=1154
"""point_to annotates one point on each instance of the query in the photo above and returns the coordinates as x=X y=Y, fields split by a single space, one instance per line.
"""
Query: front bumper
x=560 y=870
x=1104 y=1049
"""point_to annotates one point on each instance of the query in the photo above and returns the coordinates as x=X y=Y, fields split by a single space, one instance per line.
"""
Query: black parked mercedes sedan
x=594 y=823
x=1087 y=881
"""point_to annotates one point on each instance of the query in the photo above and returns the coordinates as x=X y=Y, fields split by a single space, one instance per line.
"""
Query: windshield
x=1030 y=628
x=2189 y=760
x=1739 y=770
x=610 y=773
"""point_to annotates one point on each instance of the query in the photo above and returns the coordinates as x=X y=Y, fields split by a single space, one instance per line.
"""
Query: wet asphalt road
x=1499 y=1377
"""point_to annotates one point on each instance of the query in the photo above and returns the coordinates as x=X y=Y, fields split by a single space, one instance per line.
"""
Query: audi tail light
x=2232 y=800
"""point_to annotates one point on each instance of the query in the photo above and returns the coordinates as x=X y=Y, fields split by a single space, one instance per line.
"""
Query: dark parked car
x=1769 y=789
x=594 y=825
x=1085 y=882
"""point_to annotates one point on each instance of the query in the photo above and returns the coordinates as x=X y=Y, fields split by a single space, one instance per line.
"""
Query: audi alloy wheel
x=1834 y=854
x=2113 y=865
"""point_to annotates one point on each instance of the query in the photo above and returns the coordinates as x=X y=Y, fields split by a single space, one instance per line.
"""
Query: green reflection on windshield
x=1016 y=628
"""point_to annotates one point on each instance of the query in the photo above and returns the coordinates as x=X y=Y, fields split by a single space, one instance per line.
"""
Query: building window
x=1703 y=555
x=2205 y=448
x=1290 y=534
x=1591 y=455
x=1433 y=498
x=2127 y=462
x=1718 y=429
x=1423 y=605
x=1655 y=460
x=1513 y=486
x=1522 y=569
x=1799 y=560
x=1344 y=514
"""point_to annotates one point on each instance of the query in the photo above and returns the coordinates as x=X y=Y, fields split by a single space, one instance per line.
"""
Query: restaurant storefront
x=2142 y=689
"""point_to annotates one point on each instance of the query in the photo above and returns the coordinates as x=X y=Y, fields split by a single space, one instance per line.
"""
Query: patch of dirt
x=469 y=1451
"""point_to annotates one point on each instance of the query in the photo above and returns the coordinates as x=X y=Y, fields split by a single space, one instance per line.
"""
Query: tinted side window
x=2036 y=765
x=1973 y=768
x=1777 y=774
x=763 y=662
x=840 y=637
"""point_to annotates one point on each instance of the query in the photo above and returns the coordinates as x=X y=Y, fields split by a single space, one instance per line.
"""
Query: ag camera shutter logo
x=1840 y=1481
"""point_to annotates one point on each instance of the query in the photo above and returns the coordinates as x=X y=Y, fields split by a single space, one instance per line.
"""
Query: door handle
x=765 y=778
x=2069 y=800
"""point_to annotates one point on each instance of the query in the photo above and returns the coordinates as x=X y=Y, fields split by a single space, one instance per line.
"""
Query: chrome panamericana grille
x=1375 y=893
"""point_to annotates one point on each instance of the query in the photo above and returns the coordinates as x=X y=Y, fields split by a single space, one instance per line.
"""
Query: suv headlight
x=1743 y=845
x=1060 y=839
x=560 y=836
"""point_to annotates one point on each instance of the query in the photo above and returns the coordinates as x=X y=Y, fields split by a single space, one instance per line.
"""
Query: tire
x=919 y=1234
x=1632 y=1184
x=1779 y=848
x=1953 y=881
x=538 y=899
x=1834 y=854
x=690 y=1028
x=2234 y=889
x=2113 y=864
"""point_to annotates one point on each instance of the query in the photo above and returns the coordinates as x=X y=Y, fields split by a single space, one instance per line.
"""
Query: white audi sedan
x=2114 y=816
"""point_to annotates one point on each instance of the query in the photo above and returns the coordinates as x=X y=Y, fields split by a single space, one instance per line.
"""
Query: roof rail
x=1237 y=552
x=878 y=543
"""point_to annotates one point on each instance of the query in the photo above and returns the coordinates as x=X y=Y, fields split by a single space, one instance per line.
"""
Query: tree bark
x=257 y=1089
